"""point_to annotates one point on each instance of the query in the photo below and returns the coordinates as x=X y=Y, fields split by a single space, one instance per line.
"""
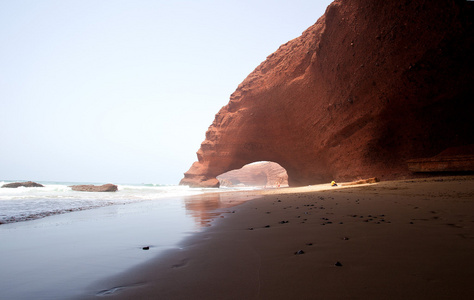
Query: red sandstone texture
x=258 y=174
x=457 y=159
x=371 y=85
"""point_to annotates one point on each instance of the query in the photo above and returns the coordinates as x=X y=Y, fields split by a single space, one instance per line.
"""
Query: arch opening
x=265 y=174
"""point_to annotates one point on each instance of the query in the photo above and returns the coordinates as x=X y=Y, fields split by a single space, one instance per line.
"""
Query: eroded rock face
x=22 y=184
x=95 y=188
x=258 y=174
x=371 y=85
x=457 y=159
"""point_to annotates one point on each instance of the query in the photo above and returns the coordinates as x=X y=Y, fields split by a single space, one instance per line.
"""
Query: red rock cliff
x=369 y=86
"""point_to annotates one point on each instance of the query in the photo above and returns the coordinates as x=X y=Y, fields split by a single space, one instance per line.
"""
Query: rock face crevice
x=369 y=86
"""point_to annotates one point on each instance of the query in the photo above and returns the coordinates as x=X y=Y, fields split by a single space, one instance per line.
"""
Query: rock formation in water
x=371 y=85
x=22 y=184
x=258 y=174
x=95 y=188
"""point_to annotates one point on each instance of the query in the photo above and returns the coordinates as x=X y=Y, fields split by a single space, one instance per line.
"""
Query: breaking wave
x=22 y=204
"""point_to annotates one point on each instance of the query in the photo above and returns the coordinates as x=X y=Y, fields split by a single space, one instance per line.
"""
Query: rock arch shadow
x=260 y=173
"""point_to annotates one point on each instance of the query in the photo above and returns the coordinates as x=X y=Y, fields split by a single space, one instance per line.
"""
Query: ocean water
x=22 y=204
x=55 y=243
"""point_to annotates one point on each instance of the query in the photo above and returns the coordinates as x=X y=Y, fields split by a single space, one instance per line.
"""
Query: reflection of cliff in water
x=205 y=208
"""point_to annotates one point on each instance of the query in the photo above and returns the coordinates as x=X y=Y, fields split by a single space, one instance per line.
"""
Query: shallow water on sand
x=57 y=257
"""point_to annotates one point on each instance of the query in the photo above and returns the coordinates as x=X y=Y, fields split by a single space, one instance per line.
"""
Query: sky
x=124 y=91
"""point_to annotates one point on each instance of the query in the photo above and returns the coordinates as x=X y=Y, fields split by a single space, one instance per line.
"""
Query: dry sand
x=390 y=240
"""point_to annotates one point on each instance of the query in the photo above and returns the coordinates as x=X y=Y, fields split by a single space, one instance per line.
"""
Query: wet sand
x=409 y=239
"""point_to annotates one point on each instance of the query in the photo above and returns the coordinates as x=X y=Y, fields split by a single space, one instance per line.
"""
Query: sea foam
x=21 y=204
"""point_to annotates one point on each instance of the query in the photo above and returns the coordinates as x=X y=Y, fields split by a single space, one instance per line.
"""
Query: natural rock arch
x=371 y=85
x=262 y=173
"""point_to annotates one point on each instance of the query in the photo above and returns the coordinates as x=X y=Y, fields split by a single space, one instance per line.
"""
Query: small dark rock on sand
x=146 y=248
x=299 y=252
x=24 y=184
x=338 y=264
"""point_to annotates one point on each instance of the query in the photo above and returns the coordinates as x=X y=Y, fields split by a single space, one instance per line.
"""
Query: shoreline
x=407 y=239
x=57 y=257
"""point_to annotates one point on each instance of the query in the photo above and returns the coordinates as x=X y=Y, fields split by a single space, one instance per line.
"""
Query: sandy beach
x=410 y=239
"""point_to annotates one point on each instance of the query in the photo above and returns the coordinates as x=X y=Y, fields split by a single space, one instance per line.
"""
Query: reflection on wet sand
x=206 y=207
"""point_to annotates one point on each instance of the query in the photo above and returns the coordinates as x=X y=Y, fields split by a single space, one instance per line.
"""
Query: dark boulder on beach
x=95 y=188
x=24 y=184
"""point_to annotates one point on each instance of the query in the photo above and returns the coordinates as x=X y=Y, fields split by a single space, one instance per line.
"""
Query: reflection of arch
x=262 y=173
x=206 y=207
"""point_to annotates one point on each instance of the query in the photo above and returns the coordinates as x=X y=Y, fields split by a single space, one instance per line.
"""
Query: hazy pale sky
x=124 y=91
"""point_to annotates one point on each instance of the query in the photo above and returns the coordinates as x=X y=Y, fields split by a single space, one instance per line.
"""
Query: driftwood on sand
x=362 y=181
